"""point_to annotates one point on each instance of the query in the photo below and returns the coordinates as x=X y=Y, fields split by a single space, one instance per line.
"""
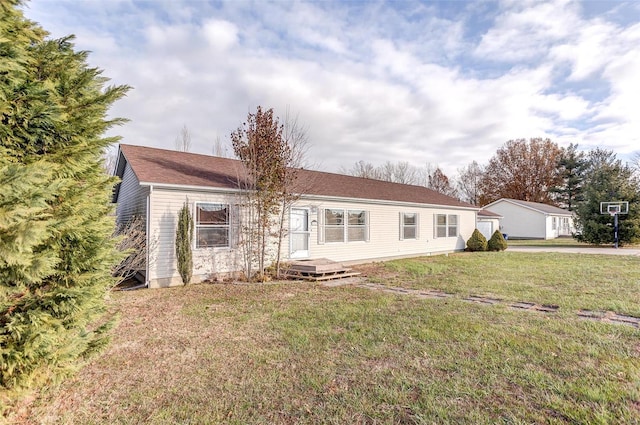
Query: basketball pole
x=615 y=229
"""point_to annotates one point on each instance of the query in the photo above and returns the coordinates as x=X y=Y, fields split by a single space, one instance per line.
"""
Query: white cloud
x=372 y=81
x=526 y=31
x=221 y=35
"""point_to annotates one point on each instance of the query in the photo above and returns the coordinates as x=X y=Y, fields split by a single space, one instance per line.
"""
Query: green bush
x=56 y=223
x=184 y=236
x=497 y=242
x=477 y=242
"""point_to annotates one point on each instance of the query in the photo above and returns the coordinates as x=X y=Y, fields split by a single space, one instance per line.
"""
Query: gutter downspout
x=148 y=229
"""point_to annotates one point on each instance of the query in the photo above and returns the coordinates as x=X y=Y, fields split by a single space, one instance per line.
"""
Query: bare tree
x=109 y=160
x=398 y=172
x=522 y=169
x=362 y=169
x=469 y=183
x=183 y=140
x=296 y=139
x=219 y=148
x=438 y=181
x=131 y=238
x=635 y=164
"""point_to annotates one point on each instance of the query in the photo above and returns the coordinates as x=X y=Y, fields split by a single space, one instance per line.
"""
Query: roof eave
x=196 y=188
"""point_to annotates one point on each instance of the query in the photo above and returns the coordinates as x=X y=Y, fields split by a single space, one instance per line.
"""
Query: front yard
x=307 y=353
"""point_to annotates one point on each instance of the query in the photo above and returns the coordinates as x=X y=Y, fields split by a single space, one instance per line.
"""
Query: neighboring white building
x=338 y=217
x=488 y=222
x=532 y=220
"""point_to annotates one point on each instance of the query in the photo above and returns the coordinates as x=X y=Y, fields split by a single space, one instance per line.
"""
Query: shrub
x=497 y=242
x=184 y=236
x=477 y=242
x=56 y=249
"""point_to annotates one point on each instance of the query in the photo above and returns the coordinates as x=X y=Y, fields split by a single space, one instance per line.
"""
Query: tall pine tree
x=56 y=253
x=572 y=165
x=608 y=180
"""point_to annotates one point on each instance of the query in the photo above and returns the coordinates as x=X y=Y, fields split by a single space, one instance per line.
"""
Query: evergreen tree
x=477 y=242
x=608 y=180
x=184 y=236
x=56 y=253
x=497 y=242
x=571 y=166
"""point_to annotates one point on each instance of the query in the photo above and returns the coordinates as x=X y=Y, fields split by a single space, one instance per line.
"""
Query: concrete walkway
x=577 y=250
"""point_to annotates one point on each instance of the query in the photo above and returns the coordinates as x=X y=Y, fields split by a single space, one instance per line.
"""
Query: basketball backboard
x=615 y=207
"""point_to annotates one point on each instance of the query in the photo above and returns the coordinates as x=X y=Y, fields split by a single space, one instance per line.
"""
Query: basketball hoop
x=614 y=209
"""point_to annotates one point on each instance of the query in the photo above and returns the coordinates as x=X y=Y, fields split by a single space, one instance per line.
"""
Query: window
x=446 y=225
x=212 y=225
x=334 y=225
x=408 y=226
x=337 y=229
x=357 y=226
x=441 y=226
x=553 y=223
x=452 y=225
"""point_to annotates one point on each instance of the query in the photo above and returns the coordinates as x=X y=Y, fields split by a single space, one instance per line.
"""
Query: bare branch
x=183 y=140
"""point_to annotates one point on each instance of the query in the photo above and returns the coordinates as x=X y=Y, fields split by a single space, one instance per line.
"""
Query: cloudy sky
x=440 y=82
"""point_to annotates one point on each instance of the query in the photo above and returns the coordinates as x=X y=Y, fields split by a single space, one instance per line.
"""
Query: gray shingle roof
x=544 y=208
x=161 y=166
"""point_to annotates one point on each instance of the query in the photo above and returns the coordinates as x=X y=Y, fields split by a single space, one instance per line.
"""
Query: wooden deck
x=318 y=270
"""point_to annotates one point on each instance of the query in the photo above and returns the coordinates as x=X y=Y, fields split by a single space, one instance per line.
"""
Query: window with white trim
x=554 y=224
x=212 y=225
x=345 y=225
x=446 y=225
x=334 y=225
x=409 y=226
x=357 y=225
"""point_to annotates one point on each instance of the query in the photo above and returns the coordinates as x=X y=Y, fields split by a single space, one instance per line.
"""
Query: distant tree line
x=536 y=170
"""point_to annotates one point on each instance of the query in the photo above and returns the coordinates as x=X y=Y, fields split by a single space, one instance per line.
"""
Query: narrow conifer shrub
x=184 y=236
x=497 y=242
x=477 y=242
x=56 y=247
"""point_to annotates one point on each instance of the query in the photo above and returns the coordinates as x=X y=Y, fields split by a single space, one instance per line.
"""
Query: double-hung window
x=345 y=225
x=408 y=226
x=446 y=225
x=357 y=225
x=212 y=225
x=334 y=225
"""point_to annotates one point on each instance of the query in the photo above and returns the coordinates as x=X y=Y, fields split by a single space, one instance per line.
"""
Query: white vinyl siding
x=165 y=205
x=381 y=234
x=522 y=222
x=383 y=229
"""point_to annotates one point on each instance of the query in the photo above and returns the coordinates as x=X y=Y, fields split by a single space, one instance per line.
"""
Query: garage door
x=486 y=228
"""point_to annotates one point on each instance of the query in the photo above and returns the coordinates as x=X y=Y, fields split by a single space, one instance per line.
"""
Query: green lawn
x=305 y=353
x=557 y=242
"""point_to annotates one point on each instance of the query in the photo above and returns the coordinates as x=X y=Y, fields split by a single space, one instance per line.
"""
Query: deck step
x=318 y=270
x=313 y=278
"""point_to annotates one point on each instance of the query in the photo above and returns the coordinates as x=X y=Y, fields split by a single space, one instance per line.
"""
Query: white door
x=299 y=233
x=486 y=228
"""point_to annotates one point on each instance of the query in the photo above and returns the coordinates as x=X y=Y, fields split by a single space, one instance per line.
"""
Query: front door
x=299 y=233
